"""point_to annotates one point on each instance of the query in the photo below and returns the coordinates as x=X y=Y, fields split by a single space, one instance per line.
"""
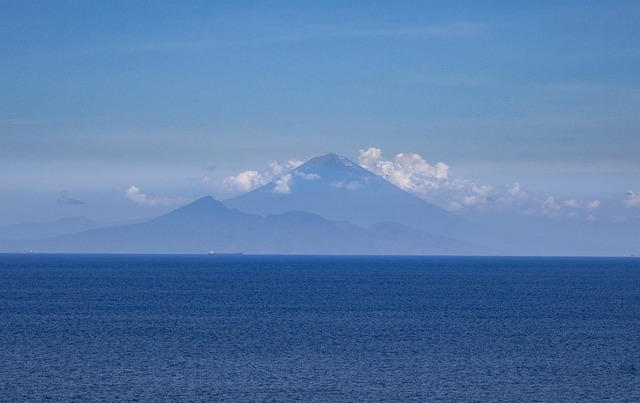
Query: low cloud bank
x=134 y=194
x=436 y=184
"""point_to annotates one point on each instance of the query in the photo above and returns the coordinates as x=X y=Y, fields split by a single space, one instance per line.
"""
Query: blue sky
x=101 y=96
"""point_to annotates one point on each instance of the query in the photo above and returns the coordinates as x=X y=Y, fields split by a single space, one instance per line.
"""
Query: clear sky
x=123 y=109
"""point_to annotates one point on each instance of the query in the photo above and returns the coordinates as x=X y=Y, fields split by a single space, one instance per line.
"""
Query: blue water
x=256 y=328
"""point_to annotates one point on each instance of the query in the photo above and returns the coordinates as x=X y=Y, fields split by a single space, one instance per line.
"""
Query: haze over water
x=166 y=328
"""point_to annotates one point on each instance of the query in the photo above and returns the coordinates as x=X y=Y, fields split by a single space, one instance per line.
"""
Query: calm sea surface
x=257 y=328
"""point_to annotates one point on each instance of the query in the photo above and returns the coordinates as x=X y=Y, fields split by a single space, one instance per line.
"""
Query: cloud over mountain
x=436 y=184
x=282 y=184
x=248 y=180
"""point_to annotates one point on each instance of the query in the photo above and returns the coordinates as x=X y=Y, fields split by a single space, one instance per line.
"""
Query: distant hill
x=207 y=224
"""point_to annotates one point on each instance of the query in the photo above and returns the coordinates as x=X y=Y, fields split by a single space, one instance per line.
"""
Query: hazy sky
x=124 y=109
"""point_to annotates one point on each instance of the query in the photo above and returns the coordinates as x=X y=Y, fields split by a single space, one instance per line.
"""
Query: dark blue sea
x=275 y=328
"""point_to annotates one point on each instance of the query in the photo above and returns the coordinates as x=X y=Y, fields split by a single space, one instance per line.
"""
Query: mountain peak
x=332 y=166
x=206 y=201
x=330 y=158
x=205 y=205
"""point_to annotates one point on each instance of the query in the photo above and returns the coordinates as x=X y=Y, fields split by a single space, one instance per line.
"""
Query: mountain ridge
x=206 y=224
x=328 y=205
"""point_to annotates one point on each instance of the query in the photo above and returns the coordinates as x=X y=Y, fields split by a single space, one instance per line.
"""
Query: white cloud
x=594 y=204
x=282 y=184
x=133 y=194
x=550 y=207
x=309 y=177
x=408 y=171
x=631 y=199
x=514 y=196
x=572 y=203
x=278 y=168
x=480 y=195
x=248 y=180
x=581 y=205
x=436 y=184
x=349 y=185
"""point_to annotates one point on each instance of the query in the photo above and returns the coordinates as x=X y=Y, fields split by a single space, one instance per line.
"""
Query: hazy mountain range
x=207 y=224
x=328 y=205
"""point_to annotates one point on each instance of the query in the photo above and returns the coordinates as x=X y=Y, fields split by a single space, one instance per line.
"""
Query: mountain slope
x=338 y=189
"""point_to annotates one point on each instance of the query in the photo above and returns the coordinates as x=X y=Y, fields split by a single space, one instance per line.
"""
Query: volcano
x=338 y=189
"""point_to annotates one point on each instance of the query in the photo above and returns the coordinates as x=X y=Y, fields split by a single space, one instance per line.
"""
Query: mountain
x=207 y=224
x=338 y=189
x=328 y=205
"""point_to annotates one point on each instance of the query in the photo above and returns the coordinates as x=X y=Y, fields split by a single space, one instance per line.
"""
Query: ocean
x=314 y=328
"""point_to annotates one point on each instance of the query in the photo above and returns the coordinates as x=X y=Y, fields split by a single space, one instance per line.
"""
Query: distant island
x=329 y=205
